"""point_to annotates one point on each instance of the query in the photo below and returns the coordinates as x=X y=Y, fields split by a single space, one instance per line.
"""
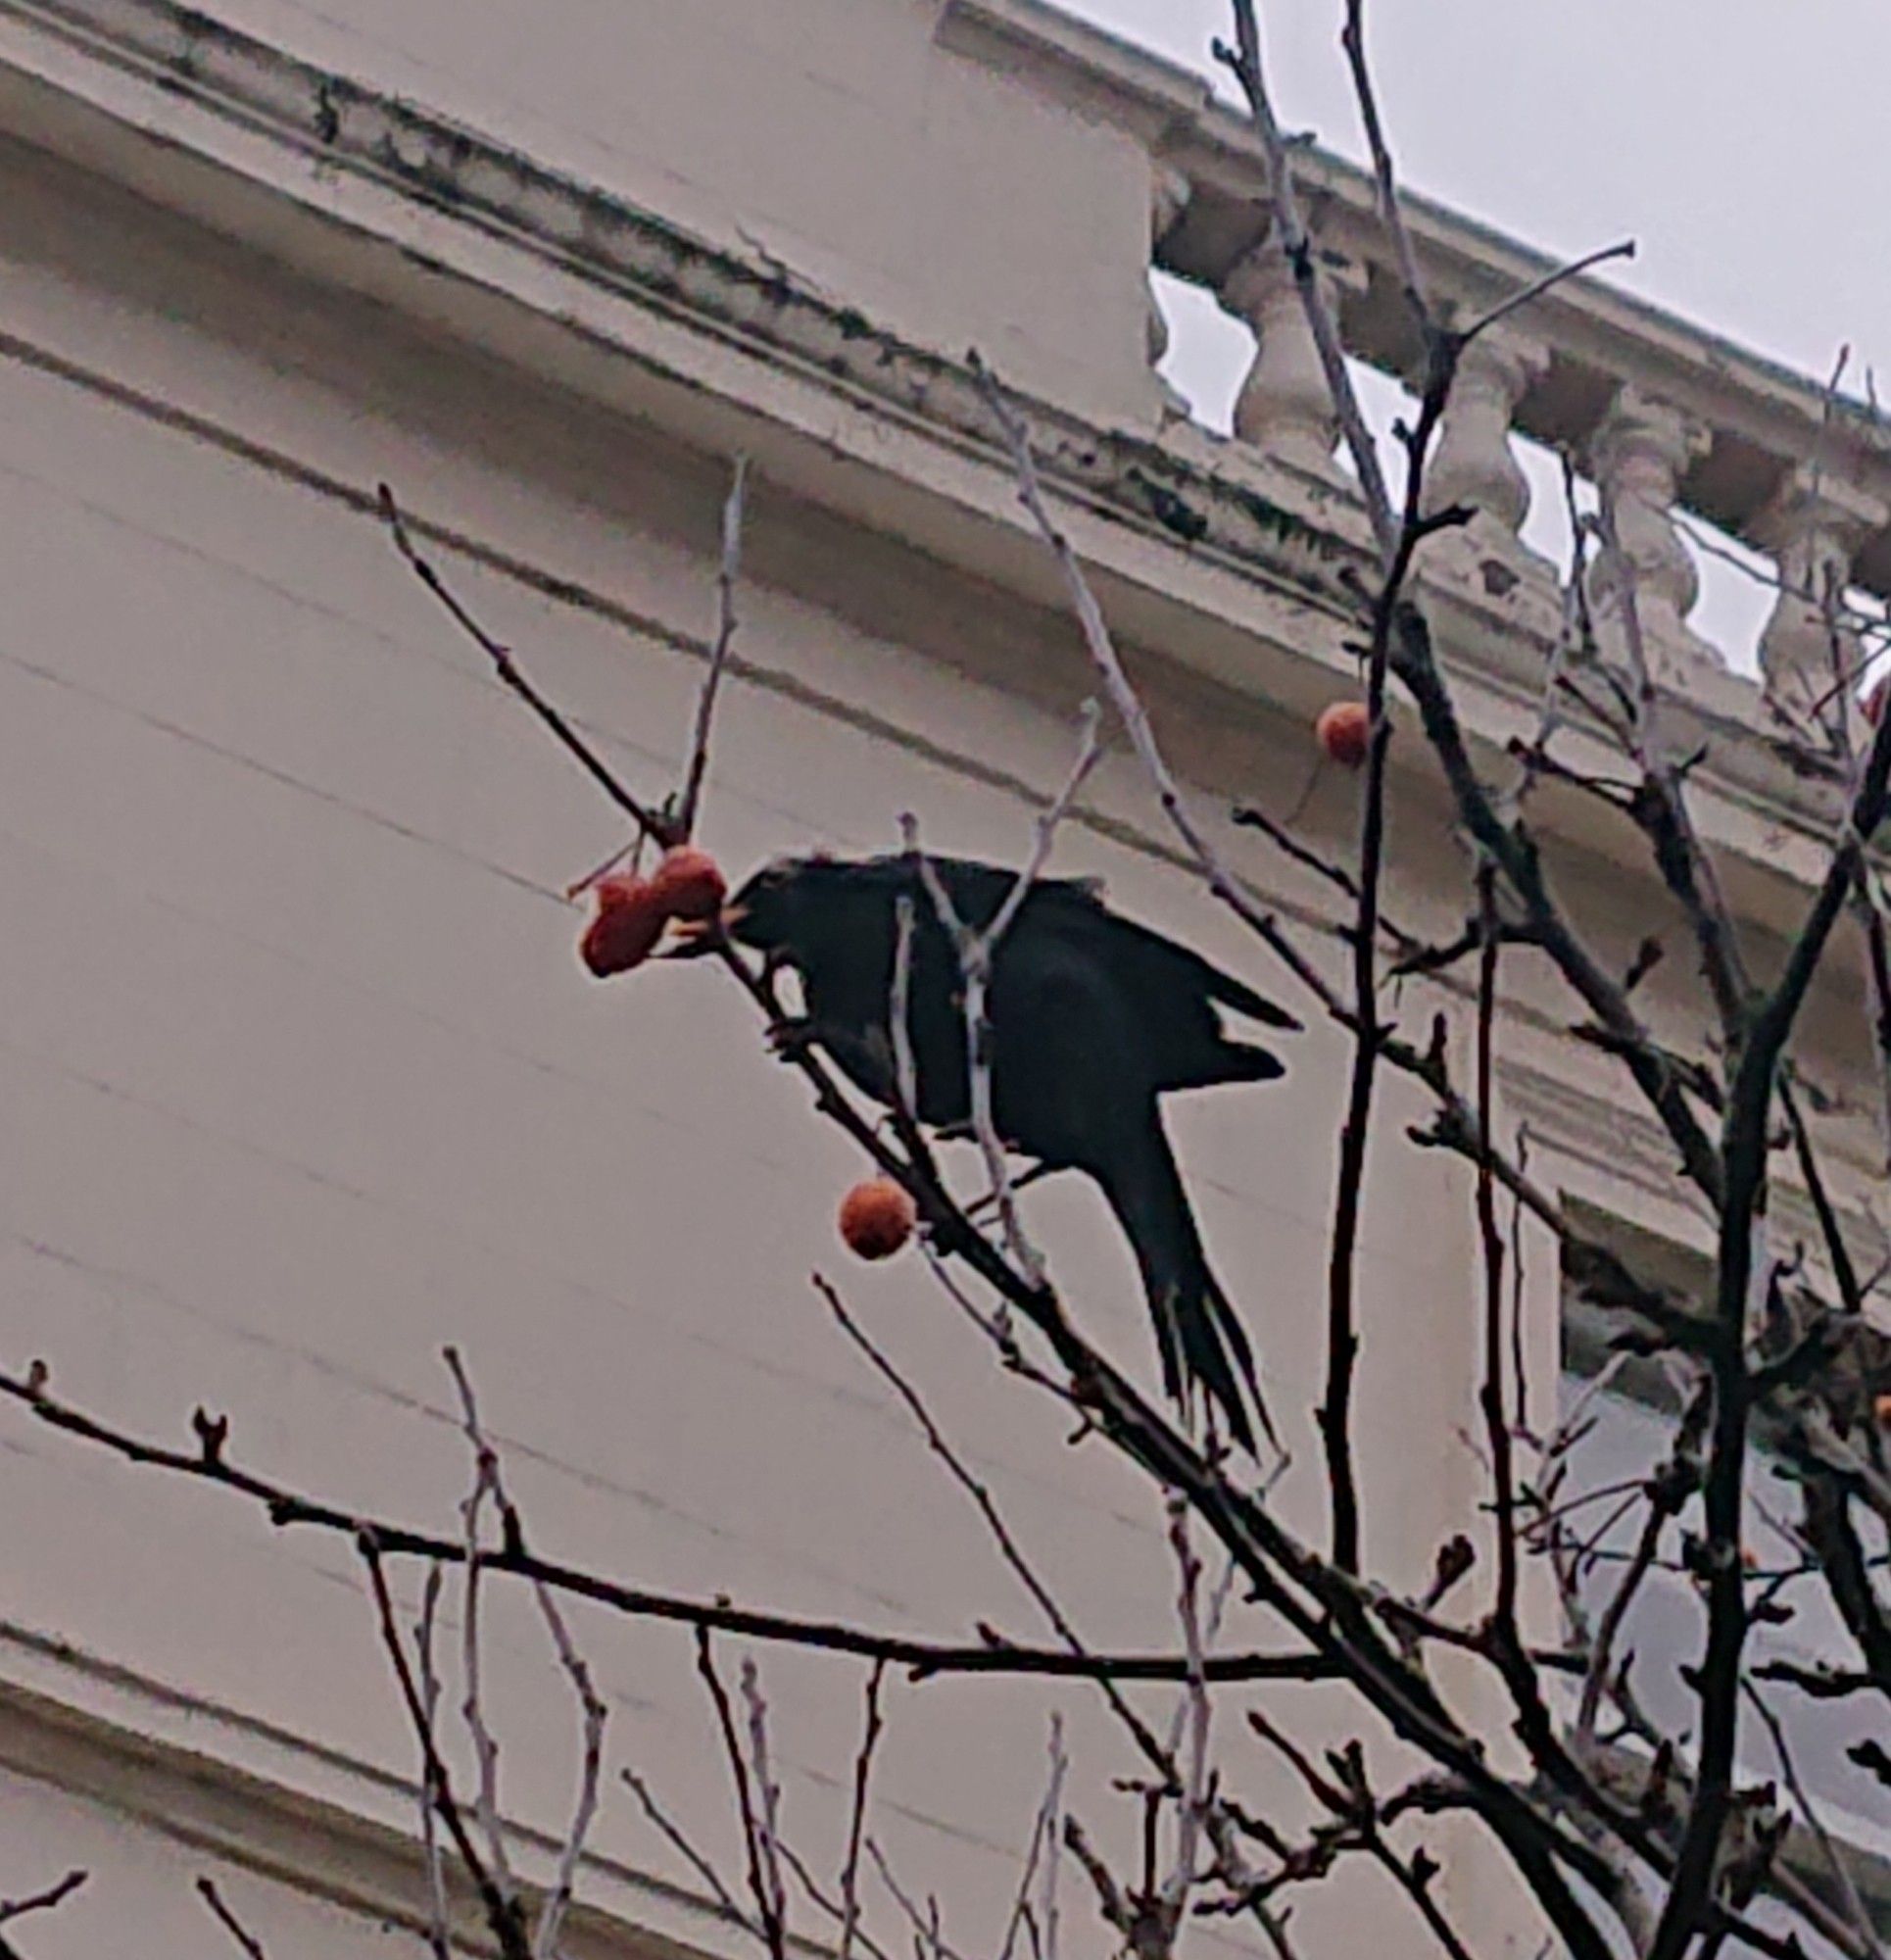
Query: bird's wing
x=1173 y=998
x=1159 y=964
x=1065 y=1043
x=1170 y=965
x=1157 y=968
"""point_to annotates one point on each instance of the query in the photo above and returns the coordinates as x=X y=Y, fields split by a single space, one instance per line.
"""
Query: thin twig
x=1623 y=249
x=592 y=1712
x=501 y=1909
x=55 y=1894
x=439 y=1929
x=698 y=1862
x=857 y=1818
x=1192 y=1799
x=1044 y=1844
x=760 y=1890
x=472 y=1707
x=1391 y=212
x=728 y=568
x=825 y=1904
x=1048 y=1913
x=47 y=1900
x=1244 y=60
x=927 y=1939
x=235 y=1927
x=768 y=1793
x=649 y=823
x=1836 y=1862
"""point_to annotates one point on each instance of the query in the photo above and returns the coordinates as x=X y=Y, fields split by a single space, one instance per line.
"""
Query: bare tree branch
x=1044 y=1848
x=287 y=1508
x=857 y=1819
x=47 y=1900
x=689 y=802
x=649 y=823
x=235 y=1927
x=765 y=1895
x=439 y=1929
x=1245 y=61
x=698 y=1863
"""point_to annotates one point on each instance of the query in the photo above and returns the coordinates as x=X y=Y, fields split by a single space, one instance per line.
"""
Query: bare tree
x=1633 y=1831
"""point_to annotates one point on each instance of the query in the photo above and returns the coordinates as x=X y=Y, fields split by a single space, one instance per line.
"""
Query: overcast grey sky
x=1744 y=144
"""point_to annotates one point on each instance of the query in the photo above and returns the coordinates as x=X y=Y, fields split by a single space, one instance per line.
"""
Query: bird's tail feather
x=1225 y=1062
x=1200 y=1342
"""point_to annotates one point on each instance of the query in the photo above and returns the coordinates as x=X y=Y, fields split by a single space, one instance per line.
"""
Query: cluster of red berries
x=632 y=912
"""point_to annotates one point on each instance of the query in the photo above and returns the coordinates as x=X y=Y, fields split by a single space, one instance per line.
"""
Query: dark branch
x=997 y=1656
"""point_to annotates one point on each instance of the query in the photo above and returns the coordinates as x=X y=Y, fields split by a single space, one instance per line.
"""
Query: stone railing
x=1670 y=422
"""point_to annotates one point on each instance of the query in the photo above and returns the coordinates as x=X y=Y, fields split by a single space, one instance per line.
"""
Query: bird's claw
x=792 y=1037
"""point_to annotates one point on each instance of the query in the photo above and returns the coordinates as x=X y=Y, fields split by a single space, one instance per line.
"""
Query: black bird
x=1093 y=1019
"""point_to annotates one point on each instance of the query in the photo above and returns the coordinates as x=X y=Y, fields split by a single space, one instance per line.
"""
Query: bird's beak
x=691 y=939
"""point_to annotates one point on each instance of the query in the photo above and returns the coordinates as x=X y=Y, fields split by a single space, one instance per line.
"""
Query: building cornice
x=1225 y=563
x=291 y=1810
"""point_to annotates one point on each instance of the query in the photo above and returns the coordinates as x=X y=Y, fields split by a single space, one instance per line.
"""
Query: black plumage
x=1093 y=1019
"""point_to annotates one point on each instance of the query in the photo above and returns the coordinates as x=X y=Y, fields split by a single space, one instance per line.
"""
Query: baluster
x=1473 y=461
x=1284 y=408
x=1814 y=527
x=1638 y=454
x=1169 y=194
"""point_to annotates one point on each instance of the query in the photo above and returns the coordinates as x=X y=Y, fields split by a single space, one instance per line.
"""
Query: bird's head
x=773 y=910
x=784 y=906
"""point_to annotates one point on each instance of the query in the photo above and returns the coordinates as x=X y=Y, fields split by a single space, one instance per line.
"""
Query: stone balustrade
x=1664 y=420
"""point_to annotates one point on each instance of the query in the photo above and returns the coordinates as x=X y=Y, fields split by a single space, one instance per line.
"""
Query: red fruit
x=689 y=884
x=1344 y=731
x=1874 y=703
x=877 y=1218
x=1881 y=1408
x=627 y=926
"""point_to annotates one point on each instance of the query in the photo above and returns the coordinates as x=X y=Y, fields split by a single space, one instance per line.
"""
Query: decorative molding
x=1631 y=1152
x=288 y=1809
x=351 y=130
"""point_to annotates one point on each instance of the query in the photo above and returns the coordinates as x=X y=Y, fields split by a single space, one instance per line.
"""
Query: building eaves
x=1240 y=570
